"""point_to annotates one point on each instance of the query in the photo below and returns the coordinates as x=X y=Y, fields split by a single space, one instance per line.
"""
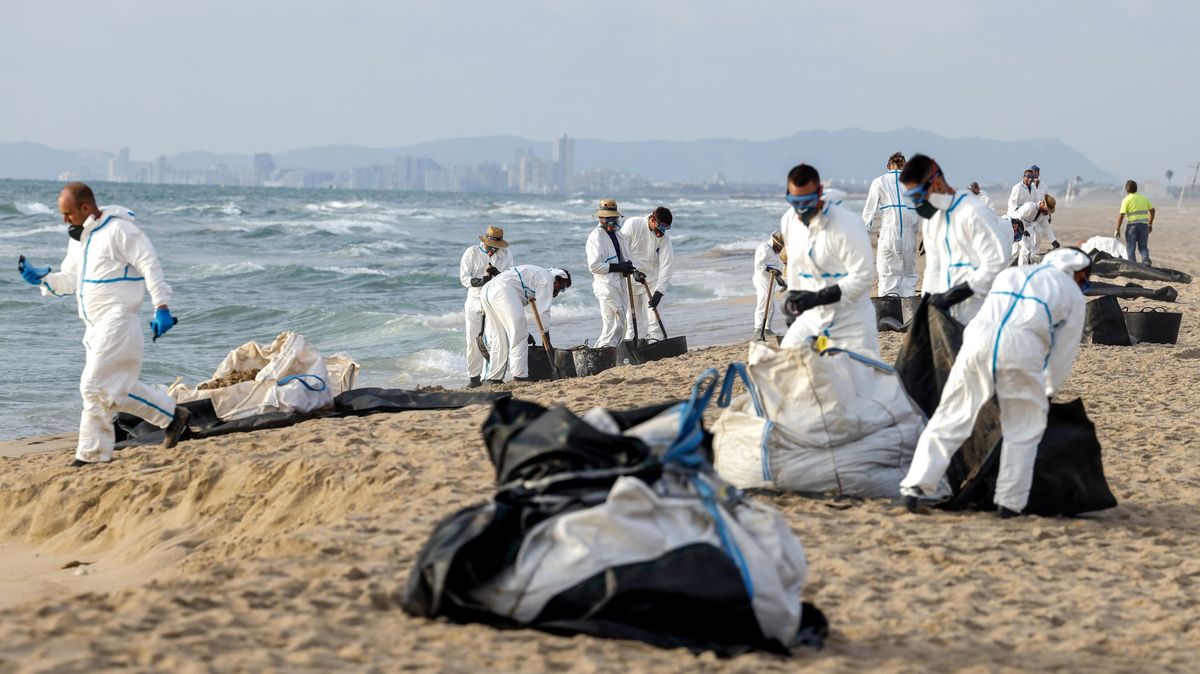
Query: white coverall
x=833 y=249
x=765 y=258
x=984 y=199
x=1107 y=244
x=109 y=270
x=610 y=289
x=504 y=299
x=1023 y=195
x=896 y=257
x=474 y=264
x=1020 y=347
x=1037 y=226
x=964 y=245
x=652 y=256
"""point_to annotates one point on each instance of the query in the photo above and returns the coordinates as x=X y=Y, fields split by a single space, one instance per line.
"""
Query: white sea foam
x=354 y=271
x=32 y=208
x=18 y=233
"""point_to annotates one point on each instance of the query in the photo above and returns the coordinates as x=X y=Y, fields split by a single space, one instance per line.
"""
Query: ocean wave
x=228 y=208
x=353 y=271
x=373 y=248
x=31 y=208
x=740 y=245
x=18 y=233
x=536 y=212
x=439 y=366
x=228 y=269
x=335 y=206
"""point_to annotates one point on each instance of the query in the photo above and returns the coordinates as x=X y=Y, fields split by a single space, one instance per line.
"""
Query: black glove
x=492 y=271
x=532 y=341
x=655 y=299
x=546 y=340
x=800 y=301
x=1054 y=244
x=639 y=277
x=625 y=268
x=778 y=278
x=478 y=281
x=951 y=297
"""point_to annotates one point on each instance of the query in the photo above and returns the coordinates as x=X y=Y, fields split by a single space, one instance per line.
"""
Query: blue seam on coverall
x=1020 y=295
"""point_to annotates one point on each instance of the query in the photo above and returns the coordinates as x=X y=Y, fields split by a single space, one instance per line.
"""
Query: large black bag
x=551 y=463
x=1107 y=266
x=1068 y=476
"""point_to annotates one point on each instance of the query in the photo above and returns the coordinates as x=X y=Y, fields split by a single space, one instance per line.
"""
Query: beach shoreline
x=288 y=549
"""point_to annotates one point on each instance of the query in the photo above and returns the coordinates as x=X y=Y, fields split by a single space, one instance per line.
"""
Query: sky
x=1114 y=78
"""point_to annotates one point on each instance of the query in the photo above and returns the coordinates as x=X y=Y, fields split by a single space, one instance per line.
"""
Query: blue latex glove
x=32 y=275
x=163 y=321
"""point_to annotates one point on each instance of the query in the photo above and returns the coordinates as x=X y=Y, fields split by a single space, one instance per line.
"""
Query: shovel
x=545 y=339
x=632 y=313
x=657 y=315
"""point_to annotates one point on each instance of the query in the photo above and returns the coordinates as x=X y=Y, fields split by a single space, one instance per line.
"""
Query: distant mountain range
x=847 y=154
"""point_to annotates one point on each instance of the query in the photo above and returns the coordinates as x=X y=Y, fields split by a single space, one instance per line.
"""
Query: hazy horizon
x=1106 y=77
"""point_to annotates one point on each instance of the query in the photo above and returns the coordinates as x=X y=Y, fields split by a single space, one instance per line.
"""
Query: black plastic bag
x=1068 y=473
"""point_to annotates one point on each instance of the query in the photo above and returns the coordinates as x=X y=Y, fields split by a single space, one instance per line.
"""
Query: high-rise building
x=562 y=153
x=264 y=167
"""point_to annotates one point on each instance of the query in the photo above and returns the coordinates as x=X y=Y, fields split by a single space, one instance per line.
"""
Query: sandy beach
x=287 y=550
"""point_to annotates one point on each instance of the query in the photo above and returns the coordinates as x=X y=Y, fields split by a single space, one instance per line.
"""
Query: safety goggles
x=608 y=222
x=803 y=201
x=917 y=194
x=490 y=250
x=662 y=226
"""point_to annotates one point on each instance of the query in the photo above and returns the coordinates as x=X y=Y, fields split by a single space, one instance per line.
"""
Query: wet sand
x=286 y=550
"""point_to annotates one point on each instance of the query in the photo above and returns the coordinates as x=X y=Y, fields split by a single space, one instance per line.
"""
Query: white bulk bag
x=292 y=377
x=829 y=422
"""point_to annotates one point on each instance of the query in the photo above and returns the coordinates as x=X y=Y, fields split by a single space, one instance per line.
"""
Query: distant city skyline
x=1108 y=77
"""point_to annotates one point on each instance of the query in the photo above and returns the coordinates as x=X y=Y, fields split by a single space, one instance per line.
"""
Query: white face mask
x=940 y=201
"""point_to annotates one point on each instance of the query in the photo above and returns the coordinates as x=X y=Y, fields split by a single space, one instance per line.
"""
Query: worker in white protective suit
x=480 y=263
x=769 y=267
x=504 y=300
x=965 y=245
x=650 y=250
x=896 y=252
x=1035 y=221
x=829 y=271
x=1020 y=348
x=1025 y=192
x=608 y=260
x=109 y=266
x=980 y=194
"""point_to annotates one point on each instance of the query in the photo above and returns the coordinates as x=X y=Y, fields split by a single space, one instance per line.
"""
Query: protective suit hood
x=1068 y=260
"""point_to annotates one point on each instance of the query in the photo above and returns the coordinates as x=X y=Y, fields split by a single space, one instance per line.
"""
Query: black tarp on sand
x=356 y=402
x=1068 y=476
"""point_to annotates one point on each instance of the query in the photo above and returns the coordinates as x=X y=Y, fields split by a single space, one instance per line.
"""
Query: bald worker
x=109 y=266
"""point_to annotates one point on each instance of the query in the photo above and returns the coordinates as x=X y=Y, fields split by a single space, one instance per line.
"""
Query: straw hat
x=494 y=238
x=608 y=209
x=1050 y=202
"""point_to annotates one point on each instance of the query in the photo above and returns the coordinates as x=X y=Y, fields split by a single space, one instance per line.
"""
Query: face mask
x=804 y=205
x=490 y=251
x=941 y=201
x=608 y=223
x=926 y=210
x=75 y=231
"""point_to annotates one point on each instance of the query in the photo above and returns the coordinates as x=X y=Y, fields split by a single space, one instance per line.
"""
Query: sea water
x=370 y=274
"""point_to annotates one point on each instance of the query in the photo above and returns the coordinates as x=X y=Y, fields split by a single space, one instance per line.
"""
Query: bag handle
x=301 y=378
x=732 y=374
x=691 y=433
x=882 y=367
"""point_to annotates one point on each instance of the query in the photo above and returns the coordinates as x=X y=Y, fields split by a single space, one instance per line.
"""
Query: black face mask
x=926 y=210
x=75 y=231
